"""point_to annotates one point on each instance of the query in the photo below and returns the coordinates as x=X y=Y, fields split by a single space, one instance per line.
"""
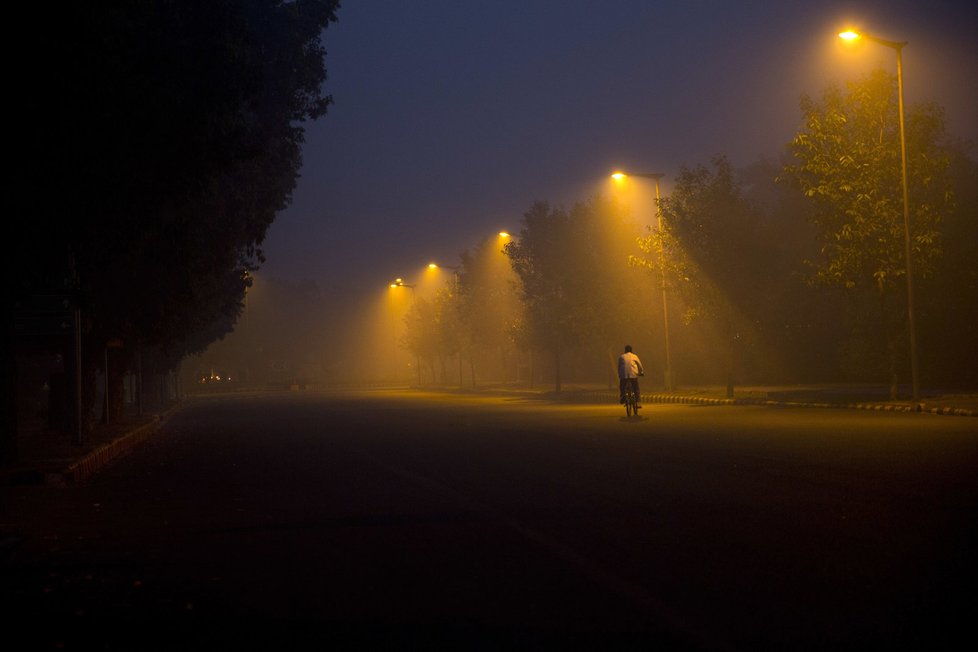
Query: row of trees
x=158 y=143
x=784 y=271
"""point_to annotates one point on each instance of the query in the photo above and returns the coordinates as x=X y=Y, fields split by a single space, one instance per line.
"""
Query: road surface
x=409 y=519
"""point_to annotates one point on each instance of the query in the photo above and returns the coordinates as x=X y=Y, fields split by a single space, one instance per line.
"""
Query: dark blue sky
x=452 y=116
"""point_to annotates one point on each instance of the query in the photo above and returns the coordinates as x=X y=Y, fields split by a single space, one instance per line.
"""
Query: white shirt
x=629 y=366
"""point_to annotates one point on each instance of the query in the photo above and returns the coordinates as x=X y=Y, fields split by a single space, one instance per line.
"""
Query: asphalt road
x=413 y=521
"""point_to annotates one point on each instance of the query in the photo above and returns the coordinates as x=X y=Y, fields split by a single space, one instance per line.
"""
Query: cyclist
x=629 y=369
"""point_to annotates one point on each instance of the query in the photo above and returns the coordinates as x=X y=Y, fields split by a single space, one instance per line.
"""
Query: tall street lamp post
x=390 y=303
x=399 y=283
x=897 y=46
x=618 y=176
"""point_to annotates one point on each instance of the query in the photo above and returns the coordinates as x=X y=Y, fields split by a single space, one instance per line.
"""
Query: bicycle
x=631 y=401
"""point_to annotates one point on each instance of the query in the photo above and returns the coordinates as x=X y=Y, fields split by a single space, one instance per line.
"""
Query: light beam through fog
x=378 y=200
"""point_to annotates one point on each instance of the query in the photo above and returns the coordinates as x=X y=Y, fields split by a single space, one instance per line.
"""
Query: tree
x=848 y=163
x=948 y=299
x=795 y=322
x=578 y=291
x=448 y=328
x=164 y=140
x=537 y=258
x=488 y=308
x=421 y=336
x=710 y=253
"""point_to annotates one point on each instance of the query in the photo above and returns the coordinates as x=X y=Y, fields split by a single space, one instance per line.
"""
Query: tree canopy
x=162 y=140
x=578 y=290
x=848 y=163
x=710 y=252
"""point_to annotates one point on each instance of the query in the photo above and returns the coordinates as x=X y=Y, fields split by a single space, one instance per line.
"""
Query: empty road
x=416 y=520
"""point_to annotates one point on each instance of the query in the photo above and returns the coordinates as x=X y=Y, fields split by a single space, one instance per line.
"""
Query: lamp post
x=399 y=283
x=618 y=176
x=897 y=46
x=457 y=288
x=390 y=303
x=454 y=269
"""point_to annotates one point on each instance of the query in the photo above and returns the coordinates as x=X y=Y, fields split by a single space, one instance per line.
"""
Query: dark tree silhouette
x=579 y=292
x=158 y=142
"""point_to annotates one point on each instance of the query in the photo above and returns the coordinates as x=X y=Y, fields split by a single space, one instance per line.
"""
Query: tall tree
x=488 y=309
x=421 y=336
x=578 y=290
x=448 y=328
x=537 y=258
x=948 y=300
x=848 y=163
x=796 y=323
x=710 y=253
x=165 y=137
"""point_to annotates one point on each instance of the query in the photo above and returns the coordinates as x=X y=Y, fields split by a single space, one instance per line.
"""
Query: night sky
x=452 y=116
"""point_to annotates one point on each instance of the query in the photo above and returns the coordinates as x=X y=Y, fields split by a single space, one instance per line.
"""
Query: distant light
x=503 y=234
x=849 y=35
x=618 y=176
x=432 y=266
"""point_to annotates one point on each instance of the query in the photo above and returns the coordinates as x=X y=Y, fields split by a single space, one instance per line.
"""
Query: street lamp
x=399 y=283
x=897 y=46
x=454 y=268
x=620 y=176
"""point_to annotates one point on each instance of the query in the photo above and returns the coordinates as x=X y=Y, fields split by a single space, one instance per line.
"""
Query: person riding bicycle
x=629 y=369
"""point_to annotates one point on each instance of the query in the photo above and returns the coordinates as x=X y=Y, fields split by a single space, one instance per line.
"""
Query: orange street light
x=619 y=177
x=454 y=268
x=852 y=36
x=399 y=283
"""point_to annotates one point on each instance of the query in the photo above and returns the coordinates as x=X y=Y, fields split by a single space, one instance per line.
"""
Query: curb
x=87 y=466
x=876 y=407
x=91 y=463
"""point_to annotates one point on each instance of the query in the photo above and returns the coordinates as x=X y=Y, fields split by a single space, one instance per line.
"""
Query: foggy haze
x=451 y=119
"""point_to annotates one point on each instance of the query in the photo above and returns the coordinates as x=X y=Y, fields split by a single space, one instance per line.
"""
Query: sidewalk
x=55 y=459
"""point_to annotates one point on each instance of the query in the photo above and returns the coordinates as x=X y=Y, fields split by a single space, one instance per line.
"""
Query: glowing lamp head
x=503 y=234
x=619 y=176
x=432 y=266
x=849 y=36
